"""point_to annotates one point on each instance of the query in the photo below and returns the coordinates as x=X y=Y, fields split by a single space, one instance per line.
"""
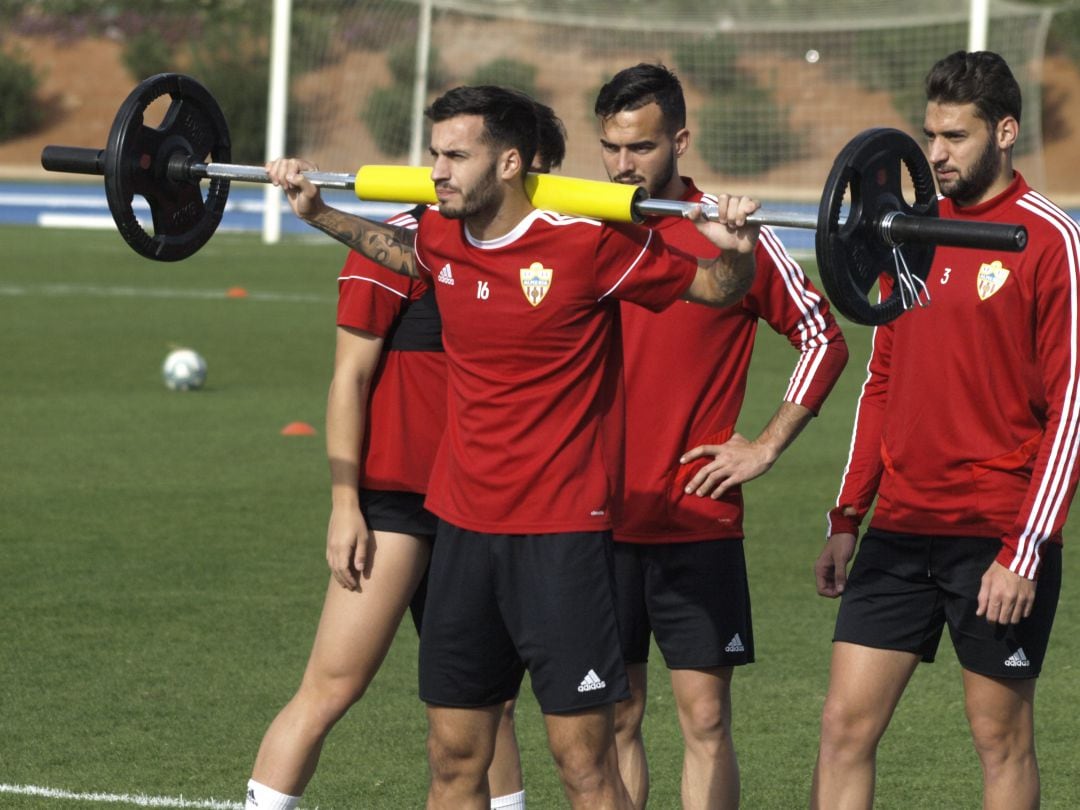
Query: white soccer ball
x=184 y=370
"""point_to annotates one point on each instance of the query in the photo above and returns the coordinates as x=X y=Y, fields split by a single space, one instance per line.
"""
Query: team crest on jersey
x=991 y=279
x=535 y=282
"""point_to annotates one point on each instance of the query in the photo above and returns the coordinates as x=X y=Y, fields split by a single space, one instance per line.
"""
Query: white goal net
x=774 y=89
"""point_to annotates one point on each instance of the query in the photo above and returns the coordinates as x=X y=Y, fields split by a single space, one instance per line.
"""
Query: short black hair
x=634 y=87
x=981 y=78
x=510 y=118
x=551 y=138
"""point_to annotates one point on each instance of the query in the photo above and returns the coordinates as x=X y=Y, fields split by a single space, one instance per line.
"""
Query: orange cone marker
x=298 y=429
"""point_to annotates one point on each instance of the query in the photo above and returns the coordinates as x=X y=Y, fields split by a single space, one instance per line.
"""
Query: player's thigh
x=698 y=600
x=630 y=713
x=357 y=627
x=1000 y=710
x=457 y=736
x=582 y=739
x=703 y=699
x=865 y=684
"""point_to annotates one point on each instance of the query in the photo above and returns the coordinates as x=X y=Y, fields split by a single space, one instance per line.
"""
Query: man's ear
x=681 y=141
x=1007 y=132
x=509 y=164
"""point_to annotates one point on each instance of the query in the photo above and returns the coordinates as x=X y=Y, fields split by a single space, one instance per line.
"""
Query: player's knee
x=329 y=698
x=582 y=771
x=998 y=741
x=705 y=721
x=847 y=732
x=454 y=757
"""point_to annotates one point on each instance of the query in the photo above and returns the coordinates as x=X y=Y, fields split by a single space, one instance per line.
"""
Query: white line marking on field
x=156 y=292
x=137 y=799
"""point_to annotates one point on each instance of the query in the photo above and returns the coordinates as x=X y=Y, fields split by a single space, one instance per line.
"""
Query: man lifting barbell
x=522 y=479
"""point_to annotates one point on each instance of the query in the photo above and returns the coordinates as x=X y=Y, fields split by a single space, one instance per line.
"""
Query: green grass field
x=162 y=556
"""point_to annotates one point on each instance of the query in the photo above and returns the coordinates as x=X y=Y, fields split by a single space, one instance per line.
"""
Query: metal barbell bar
x=894 y=227
x=865 y=227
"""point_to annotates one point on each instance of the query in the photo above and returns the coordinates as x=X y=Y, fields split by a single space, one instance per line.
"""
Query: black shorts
x=903 y=588
x=499 y=604
x=693 y=597
x=387 y=510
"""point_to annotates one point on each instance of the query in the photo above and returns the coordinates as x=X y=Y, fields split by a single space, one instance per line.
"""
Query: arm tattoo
x=730 y=277
x=388 y=245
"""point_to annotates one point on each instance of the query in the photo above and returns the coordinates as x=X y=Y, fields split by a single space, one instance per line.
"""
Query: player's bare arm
x=389 y=245
x=739 y=459
x=725 y=280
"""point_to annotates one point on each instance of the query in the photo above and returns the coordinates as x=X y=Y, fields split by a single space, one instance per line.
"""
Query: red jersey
x=968 y=421
x=530 y=327
x=677 y=399
x=407 y=406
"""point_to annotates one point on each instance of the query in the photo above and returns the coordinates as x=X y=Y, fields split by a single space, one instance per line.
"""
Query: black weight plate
x=852 y=256
x=137 y=160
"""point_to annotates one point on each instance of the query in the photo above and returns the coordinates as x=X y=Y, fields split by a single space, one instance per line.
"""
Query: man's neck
x=674 y=190
x=502 y=219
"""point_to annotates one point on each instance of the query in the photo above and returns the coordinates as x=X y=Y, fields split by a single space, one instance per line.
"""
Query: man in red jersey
x=524 y=479
x=388 y=367
x=966 y=433
x=680 y=569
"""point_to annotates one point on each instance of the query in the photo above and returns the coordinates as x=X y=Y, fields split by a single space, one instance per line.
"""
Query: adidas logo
x=1018 y=659
x=446 y=276
x=591 y=682
x=252 y=801
x=735 y=645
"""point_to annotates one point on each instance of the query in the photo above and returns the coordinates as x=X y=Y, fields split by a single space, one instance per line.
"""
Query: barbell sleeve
x=896 y=228
x=73 y=159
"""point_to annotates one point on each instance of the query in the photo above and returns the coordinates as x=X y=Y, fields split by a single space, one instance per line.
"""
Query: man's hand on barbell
x=303 y=196
x=730 y=230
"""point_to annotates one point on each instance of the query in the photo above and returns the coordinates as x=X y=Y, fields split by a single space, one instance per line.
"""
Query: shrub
x=744 y=132
x=709 y=63
x=20 y=111
x=507 y=73
x=146 y=54
x=402 y=63
x=388 y=116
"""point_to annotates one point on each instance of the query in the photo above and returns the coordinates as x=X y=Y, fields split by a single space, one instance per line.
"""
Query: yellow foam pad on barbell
x=612 y=202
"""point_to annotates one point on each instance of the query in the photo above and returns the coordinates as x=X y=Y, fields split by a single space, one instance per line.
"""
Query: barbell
x=880 y=232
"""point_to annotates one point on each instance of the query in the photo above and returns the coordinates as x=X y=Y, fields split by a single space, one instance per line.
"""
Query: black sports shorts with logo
x=693 y=597
x=401 y=512
x=499 y=604
x=904 y=588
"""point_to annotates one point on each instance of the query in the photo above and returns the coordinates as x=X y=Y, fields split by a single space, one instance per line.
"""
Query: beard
x=653 y=185
x=965 y=190
x=480 y=199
